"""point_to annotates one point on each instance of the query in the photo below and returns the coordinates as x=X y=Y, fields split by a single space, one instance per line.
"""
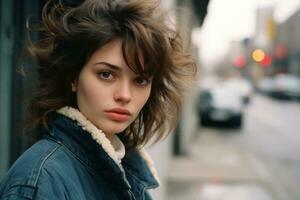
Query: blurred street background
x=238 y=137
x=259 y=161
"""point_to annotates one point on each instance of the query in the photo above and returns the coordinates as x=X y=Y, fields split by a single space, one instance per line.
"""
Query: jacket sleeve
x=14 y=197
x=17 y=192
x=23 y=192
x=20 y=197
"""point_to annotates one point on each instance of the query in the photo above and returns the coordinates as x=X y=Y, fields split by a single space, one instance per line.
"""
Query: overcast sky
x=233 y=20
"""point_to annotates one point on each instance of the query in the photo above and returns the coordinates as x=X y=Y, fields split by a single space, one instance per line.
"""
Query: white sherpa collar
x=96 y=133
x=99 y=136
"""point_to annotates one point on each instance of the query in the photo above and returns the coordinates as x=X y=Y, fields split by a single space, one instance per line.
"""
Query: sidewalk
x=215 y=165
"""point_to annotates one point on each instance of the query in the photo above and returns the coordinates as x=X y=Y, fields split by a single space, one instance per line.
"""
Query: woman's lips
x=118 y=114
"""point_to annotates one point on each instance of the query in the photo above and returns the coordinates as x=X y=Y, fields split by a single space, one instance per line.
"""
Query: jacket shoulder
x=22 y=178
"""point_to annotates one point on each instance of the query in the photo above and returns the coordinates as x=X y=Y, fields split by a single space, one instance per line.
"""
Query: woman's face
x=109 y=93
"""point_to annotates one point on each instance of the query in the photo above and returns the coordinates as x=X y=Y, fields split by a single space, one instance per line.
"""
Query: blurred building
x=264 y=31
x=13 y=88
x=263 y=39
x=280 y=41
x=287 y=45
x=238 y=59
x=188 y=15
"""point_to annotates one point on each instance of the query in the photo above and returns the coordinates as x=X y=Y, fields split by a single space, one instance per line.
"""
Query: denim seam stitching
x=77 y=157
x=42 y=164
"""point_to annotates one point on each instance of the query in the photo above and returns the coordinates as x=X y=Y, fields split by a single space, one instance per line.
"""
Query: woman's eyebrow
x=115 y=67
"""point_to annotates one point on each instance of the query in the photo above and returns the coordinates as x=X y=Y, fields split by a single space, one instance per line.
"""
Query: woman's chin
x=112 y=129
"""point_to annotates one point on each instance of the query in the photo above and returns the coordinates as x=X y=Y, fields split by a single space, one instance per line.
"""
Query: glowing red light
x=266 y=61
x=281 y=51
x=240 y=61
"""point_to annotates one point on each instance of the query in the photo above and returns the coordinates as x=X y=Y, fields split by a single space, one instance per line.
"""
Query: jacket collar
x=92 y=138
x=90 y=128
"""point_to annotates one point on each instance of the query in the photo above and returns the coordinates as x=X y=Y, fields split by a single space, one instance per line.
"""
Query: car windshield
x=226 y=98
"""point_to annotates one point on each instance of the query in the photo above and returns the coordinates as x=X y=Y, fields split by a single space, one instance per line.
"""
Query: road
x=272 y=132
x=261 y=161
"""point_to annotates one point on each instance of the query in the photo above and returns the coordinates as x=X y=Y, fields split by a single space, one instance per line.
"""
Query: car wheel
x=204 y=120
x=237 y=121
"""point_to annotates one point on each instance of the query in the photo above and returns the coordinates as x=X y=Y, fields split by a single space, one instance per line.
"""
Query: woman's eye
x=106 y=75
x=142 y=81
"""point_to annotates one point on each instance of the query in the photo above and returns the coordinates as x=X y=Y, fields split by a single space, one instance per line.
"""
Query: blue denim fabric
x=68 y=164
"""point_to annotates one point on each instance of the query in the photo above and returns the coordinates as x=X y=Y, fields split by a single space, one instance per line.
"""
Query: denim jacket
x=68 y=163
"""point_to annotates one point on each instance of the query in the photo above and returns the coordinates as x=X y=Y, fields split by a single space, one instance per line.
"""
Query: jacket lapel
x=136 y=162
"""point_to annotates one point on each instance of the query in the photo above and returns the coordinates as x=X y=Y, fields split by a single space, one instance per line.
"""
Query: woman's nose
x=123 y=92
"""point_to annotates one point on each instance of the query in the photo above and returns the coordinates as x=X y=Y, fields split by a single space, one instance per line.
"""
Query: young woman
x=111 y=77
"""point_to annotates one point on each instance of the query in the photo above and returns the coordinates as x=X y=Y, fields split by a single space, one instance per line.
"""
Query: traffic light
x=261 y=57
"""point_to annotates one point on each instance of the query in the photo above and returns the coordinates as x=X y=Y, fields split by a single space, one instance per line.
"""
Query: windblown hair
x=73 y=30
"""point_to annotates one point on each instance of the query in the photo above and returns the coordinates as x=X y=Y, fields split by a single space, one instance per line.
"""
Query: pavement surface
x=215 y=170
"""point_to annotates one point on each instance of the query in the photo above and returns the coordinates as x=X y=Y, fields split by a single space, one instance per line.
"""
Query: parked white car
x=286 y=86
x=266 y=85
x=221 y=104
x=241 y=85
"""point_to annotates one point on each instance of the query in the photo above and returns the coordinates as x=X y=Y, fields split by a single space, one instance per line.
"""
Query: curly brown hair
x=73 y=30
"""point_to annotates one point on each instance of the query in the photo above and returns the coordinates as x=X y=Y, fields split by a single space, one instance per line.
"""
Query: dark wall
x=15 y=87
